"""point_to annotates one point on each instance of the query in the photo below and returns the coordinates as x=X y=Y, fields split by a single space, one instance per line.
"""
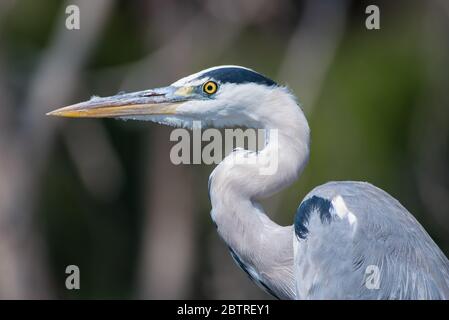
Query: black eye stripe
x=238 y=75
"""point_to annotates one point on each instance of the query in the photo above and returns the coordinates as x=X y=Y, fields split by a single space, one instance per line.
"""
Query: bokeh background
x=103 y=194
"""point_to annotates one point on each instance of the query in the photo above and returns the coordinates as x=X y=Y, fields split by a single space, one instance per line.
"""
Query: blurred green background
x=103 y=195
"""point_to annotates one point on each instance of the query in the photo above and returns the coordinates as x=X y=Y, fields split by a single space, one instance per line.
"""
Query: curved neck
x=262 y=247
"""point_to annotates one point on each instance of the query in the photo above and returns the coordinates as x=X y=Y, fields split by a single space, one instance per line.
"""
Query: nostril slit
x=152 y=94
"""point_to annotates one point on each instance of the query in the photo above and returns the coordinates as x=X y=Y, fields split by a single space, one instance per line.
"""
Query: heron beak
x=160 y=101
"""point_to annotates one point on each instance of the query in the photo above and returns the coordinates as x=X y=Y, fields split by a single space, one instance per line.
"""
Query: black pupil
x=210 y=87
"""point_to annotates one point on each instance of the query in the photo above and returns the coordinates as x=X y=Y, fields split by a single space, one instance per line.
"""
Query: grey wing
x=354 y=241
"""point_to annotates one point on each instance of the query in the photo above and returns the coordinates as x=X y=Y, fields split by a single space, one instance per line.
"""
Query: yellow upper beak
x=151 y=102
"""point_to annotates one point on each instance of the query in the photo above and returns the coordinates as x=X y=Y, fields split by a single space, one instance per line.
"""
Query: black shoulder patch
x=238 y=75
x=315 y=203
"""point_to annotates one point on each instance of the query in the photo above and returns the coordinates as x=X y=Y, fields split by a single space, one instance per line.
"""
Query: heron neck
x=263 y=248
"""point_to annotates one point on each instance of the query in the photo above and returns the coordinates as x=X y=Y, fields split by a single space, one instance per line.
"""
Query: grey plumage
x=332 y=259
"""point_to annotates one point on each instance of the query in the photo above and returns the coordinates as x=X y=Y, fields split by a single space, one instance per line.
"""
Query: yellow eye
x=210 y=87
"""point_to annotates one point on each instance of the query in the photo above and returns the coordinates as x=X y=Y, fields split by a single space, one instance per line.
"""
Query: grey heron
x=340 y=230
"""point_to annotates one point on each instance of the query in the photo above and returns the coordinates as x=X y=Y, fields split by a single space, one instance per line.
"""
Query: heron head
x=217 y=97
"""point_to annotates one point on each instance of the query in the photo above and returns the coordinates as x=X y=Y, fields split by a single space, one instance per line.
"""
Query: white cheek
x=199 y=108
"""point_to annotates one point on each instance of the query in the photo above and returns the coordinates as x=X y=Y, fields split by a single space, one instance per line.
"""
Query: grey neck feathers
x=263 y=247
